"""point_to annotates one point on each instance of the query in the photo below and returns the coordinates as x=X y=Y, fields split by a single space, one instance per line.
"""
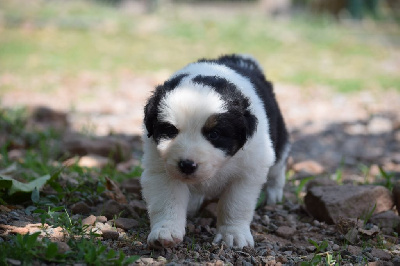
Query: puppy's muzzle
x=187 y=167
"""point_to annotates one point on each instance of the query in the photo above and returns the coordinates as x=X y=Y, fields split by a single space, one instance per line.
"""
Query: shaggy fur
x=213 y=129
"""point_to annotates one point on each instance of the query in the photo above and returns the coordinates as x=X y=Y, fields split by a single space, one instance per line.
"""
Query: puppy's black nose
x=187 y=166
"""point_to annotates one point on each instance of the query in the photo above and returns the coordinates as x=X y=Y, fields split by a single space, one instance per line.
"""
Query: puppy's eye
x=167 y=130
x=213 y=135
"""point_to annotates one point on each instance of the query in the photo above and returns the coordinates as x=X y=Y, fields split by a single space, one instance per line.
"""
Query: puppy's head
x=197 y=124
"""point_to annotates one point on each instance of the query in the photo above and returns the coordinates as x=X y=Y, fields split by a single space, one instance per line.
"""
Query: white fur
x=236 y=180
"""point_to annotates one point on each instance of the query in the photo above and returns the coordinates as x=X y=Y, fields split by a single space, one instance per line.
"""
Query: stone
x=44 y=117
x=328 y=203
x=111 y=147
x=285 y=231
x=90 y=220
x=265 y=220
x=131 y=185
x=147 y=261
x=112 y=208
x=320 y=182
x=19 y=230
x=310 y=167
x=101 y=219
x=126 y=223
x=396 y=195
x=110 y=234
x=93 y=161
x=354 y=250
x=62 y=247
x=4 y=209
x=80 y=208
x=381 y=254
x=386 y=219
x=381 y=263
x=379 y=125
x=335 y=247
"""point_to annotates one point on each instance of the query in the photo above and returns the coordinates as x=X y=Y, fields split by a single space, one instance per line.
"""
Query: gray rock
x=110 y=234
x=90 y=220
x=101 y=219
x=112 y=208
x=381 y=254
x=396 y=195
x=62 y=247
x=308 y=167
x=379 y=125
x=328 y=203
x=265 y=220
x=126 y=223
x=285 y=231
x=80 y=208
x=77 y=144
x=354 y=250
x=386 y=219
x=320 y=182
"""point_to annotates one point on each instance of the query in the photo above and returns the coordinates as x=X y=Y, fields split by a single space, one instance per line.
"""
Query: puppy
x=214 y=129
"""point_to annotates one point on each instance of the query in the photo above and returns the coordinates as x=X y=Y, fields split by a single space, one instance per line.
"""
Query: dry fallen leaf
x=114 y=192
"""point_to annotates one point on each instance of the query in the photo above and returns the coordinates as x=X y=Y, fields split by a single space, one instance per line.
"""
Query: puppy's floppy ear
x=151 y=108
x=250 y=122
x=150 y=113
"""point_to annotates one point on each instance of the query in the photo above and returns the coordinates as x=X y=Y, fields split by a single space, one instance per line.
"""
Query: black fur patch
x=250 y=70
x=239 y=120
x=164 y=130
x=226 y=131
x=151 y=109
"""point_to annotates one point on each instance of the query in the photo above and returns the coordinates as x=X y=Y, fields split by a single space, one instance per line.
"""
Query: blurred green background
x=342 y=45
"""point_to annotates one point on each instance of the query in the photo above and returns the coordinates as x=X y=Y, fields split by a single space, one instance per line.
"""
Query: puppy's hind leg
x=276 y=178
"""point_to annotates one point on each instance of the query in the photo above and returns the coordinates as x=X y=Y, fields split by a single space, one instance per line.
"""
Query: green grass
x=68 y=38
x=42 y=160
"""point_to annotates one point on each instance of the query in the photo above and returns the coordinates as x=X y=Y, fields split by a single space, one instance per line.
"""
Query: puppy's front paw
x=165 y=235
x=235 y=235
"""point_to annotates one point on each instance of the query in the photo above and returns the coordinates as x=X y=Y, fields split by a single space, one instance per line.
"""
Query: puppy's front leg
x=167 y=201
x=235 y=213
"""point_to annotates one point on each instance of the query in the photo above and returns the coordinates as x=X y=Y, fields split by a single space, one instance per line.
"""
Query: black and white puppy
x=214 y=129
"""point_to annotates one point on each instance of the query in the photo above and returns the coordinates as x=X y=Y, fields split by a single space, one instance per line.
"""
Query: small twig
x=243 y=253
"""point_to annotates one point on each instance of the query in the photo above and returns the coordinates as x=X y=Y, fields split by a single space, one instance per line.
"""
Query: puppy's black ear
x=250 y=122
x=151 y=108
x=150 y=113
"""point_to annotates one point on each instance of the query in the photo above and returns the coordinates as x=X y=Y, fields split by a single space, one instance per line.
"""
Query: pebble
x=126 y=223
x=354 y=250
x=147 y=260
x=311 y=248
x=381 y=254
x=101 y=219
x=285 y=231
x=112 y=208
x=265 y=220
x=335 y=247
x=62 y=247
x=110 y=234
x=80 y=208
x=90 y=220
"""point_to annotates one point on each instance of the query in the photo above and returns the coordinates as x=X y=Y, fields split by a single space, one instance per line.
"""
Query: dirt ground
x=330 y=129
